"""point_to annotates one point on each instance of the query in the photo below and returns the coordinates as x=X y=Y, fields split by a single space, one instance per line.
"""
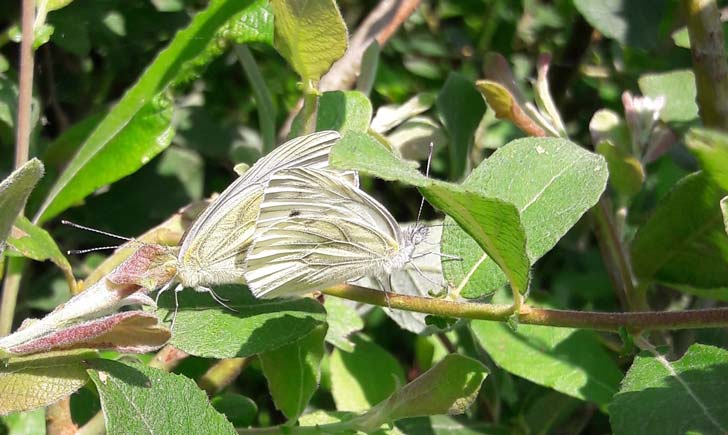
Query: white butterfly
x=213 y=249
x=316 y=230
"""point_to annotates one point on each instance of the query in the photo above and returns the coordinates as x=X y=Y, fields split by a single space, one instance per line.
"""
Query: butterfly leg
x=215 y=296
x=162 y=290
x=387 y=288
x=177 y=289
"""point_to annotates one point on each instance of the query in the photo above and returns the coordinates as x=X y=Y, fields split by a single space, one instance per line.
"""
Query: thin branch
x=611 y=322
x=11 y=285
x=709 y=61
x=25 y=96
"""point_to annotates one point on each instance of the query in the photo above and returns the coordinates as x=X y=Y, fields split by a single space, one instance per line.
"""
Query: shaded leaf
x=563 y=182
x=344 y=111
x=673 y=397
x=461 y=107
x=391 y=115
x=238 y=409
x=33 y=381
x=140 y=399
x=630 y=23
x=293 y=372
x=711 y=149
x=570 y=361
x=413 y=138
x=206 y=328
x=493 y=223
x=14 y=192
x=684 y=241
x=35 y=243
x=678 y=88
x=626 y=173
x=446 y=425
x=343 y=321
x=364 y=377
x=310 y=35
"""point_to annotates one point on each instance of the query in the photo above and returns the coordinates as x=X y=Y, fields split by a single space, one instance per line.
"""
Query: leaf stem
x=310 y=107
x=25 y=95
x=221 y=374
x=603 y=321
x=709 y=61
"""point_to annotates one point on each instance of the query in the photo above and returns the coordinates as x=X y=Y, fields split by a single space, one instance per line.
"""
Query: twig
x=222 y=374
x=25 y=95
x=11 y=285
x=611 y=322
x=58 y=418
x=709 y=61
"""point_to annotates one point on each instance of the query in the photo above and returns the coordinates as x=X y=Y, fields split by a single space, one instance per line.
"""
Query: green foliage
x=635 y=24
x=679 y=90
x=256 y=325
x=690 y=393
x=130 y=396
x=14 y=192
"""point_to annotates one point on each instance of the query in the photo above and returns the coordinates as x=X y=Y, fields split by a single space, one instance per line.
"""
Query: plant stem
x=222 y=374
x=310 y=107
x=614 y=254
x=611 y=322
x=58 y=418
x=11 y=285
x=167 y=358
x=709 y=61
x=25 y=95
x=266 y=111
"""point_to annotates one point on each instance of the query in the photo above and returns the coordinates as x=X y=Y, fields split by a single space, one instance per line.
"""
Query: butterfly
x=212 y=250
x=315 y=230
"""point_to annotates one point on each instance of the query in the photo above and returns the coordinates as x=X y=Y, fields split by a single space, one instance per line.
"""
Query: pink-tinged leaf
x=149 y=267
x=130 y=332
x=506 y=106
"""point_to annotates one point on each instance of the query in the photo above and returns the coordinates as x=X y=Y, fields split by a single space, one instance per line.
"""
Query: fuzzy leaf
x=14 y=192
x=344 y=111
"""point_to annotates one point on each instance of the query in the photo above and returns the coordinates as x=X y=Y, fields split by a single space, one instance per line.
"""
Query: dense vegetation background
x=232 y=102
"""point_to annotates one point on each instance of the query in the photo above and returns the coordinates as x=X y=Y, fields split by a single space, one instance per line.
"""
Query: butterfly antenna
x=83 y=251
x=94 y=230
x=422 y=274
x=427 y=174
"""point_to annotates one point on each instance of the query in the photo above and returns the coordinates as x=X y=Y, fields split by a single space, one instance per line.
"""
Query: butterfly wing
x=212 y=250
x=315 y=230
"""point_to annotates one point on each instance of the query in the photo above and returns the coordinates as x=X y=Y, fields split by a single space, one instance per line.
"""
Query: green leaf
x=344 y=111
x=548 y=410
x=138 y=127
x=30 y=382
x=684 y=241
x=673 y=397
x=630 y=23
x=626 y=173
x=450 y=387
x=324 y=423
x=35 y=243
x=679 y=90
x=711 y=149
x=206 y=328
x=140 y=399
x=446 y=425
x=343 y=321
x=570 y=361
x=293 y=372
x=563 y=182
x=310 y=35
x=461 y=107
x=14 y=192
x=493 y=223
x=363 y=377
x=25 y=423
x=238 y=409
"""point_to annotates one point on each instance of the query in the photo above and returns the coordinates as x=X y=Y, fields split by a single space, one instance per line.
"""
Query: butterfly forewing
x=315 y=230
x=214 y=247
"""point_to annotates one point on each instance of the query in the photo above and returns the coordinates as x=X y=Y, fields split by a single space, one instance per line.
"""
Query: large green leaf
x=678 y=88
x=461 y=108
x=492 y=222
x=684 y=242
x=138 y=127
x=33 y=381
x=35 y=243
x=364 y=377
x=674 y=397
x=552 y=182
x=632 y=23
x=310 y=35
x=570 y=361
x=343 y=321
x=139 y=399
x=293 y=372
x=344 y=111
x=206 y=328
x=14 y=192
